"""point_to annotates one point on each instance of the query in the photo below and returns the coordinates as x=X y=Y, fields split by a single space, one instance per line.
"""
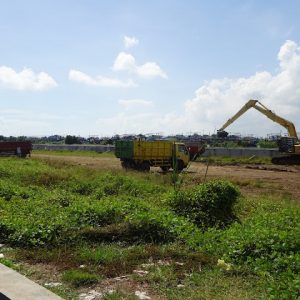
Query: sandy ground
x=270 y=178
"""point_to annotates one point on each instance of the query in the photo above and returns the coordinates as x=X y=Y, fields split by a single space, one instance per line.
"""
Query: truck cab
x=182 y=156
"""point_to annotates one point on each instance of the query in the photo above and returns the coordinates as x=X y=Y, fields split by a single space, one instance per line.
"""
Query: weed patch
x=79 y=278
x=209 y=204
x=267 y=245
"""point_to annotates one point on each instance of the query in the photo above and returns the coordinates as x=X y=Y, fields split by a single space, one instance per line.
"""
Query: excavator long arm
x=267 y=112
x=247 y=106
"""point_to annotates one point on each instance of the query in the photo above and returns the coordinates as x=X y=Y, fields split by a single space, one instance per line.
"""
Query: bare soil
x=256 y=179
x=253 y=179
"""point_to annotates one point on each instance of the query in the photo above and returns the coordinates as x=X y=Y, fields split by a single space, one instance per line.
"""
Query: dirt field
x=263 y=178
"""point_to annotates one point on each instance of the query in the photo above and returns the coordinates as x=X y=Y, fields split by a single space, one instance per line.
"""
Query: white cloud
x=25 y=79
x=126 y=62
x=218 y=99
x=130 y=42
x=81 y=77
x=134 y=103
x=150 y=70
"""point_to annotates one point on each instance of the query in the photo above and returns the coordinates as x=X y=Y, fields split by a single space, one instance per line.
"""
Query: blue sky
x=188 y=66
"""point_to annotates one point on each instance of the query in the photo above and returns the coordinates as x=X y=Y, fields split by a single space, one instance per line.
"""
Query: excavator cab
x=222 y=134
x=287 y=144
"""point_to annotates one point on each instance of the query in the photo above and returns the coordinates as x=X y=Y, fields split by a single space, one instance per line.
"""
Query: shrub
x=7 y=191
x=150 y=227
x=33 y=222
x=208 y=204
x=263 y=239
x=160 y=226
x=61 y=198
x=105 y=212
x=112 y=184
x=82 y=188
x=267 y=244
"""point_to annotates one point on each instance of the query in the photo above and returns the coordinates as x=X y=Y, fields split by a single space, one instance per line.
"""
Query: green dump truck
x=141 y=155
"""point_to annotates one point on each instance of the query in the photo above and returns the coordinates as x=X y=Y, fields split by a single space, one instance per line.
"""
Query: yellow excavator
x=288 y=146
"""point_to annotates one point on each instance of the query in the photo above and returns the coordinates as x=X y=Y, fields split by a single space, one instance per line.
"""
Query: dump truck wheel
x=180 y=165
x=127 y=165
x=145 y=166
x=165 y=168
x=124 y=164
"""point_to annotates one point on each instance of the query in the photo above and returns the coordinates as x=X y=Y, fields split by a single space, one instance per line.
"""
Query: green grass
x=9 y=263
x=215 y=284
x=79 y=278
x=225 y=160
x=112 y=223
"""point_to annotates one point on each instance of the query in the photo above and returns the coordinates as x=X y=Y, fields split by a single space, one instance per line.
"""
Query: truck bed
x=144 y=150
x=15 y=148
x=158 y=150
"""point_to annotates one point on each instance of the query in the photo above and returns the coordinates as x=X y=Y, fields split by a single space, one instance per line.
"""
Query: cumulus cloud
x=81 y=77
x=130 y=42
x=127 y=62
x=124 y=62
x=134 y=103
x=25 y=79
x=218 y=99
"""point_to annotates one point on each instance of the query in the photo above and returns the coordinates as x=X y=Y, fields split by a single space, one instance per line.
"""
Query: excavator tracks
x=286 y=160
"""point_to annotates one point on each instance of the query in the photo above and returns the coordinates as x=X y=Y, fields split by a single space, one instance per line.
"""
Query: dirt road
x=265 y=178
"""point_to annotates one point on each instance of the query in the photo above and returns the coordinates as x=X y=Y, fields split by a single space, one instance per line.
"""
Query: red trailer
x=195 y=149
x=21 y=149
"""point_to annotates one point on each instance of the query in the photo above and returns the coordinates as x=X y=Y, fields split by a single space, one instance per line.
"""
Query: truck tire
x=165 y=168
x=124 y=165
x=128 y=164
x=179 y=166
x=144 y=166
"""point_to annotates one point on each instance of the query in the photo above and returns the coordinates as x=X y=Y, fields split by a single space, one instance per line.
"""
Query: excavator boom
x=248 y=105
x=289 y=146
x=267 y=112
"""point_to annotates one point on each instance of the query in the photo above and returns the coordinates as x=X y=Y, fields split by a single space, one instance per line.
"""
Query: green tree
x=72 y=139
